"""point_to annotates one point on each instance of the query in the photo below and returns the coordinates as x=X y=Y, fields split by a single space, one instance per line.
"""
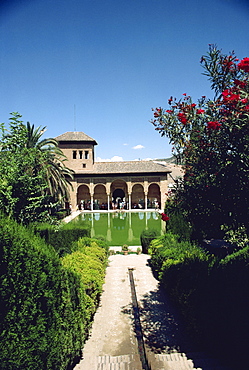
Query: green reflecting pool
x=120 y=228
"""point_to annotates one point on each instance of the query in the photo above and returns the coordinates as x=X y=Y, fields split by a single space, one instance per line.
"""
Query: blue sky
x=99 y=66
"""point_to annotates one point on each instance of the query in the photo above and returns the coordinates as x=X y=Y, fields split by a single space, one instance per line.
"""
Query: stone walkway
x=112 y=343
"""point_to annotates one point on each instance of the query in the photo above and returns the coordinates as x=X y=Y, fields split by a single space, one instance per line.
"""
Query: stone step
x=115 y=359
x=122 y=362
x=172 y=361
x=115 y=366
x=169 y=361
x=181 y=361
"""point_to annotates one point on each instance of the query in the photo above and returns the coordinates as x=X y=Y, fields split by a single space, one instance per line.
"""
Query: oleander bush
x=210 y=138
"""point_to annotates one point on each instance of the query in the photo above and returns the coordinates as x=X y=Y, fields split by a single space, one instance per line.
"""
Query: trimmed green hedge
x=62 y=237
x=183 y=270
x=229 y=304
x=46 y=303
x=42 y=312
x=213 y=294
x=179 y=226
x=146 y=237
x=89 y=261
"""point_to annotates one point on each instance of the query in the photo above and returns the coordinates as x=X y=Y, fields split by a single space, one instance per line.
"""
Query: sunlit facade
x=111 y=185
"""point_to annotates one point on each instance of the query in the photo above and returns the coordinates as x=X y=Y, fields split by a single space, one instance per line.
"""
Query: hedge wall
x=228 y=307
x=62 y=237
x=46 y=304
x=183 y=270
x=213 y=294
x=89 y=261
x=146 y=237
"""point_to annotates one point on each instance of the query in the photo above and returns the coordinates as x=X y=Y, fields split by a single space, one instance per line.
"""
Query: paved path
x=112 y=342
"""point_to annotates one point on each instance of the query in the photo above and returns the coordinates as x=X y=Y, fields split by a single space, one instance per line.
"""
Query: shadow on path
x=162 y=324
x=165 y=332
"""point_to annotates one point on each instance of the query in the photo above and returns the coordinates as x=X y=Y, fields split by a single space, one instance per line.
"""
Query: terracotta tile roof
x=131 y=167
x=75 y=136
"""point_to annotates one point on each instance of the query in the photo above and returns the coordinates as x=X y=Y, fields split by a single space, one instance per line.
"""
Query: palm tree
x=35 y=177
x=51 y=160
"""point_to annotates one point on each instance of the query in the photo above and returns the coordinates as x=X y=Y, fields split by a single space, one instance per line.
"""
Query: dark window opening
x=74 y=154
x=80 y=154
x=86 y=154
x=84 y=165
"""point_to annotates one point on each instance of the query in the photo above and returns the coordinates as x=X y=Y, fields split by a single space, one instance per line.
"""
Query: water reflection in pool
x=120 y=228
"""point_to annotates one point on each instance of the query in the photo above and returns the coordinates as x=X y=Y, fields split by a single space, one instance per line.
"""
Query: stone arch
x=154 y=196
x=83 y=197
x=100 y=197
x=119 y=194
x=137 y=196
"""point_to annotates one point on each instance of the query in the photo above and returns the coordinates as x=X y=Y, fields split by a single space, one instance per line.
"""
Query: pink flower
x=227 y=62
x=240 y=84
x=182 y=118
x=157 y=112
x=244 y=64
x=200 y=111
x=164 y=217
x=213 y=125
x=230 y=97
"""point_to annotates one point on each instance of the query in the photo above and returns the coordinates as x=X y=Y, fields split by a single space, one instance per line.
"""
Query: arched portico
x=116 y=195
x=138 y=196
x=100 y=197
x=154 y=196
x=119 y=194
x=83 y=197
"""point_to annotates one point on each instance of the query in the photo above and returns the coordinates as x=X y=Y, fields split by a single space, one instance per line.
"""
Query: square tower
x=79 y=150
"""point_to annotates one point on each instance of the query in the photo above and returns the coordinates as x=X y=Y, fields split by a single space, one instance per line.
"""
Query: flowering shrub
x=244 y=64
x=211 y=139
x=164 y=217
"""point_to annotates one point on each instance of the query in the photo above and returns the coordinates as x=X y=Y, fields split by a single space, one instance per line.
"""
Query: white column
x=145 y=199
x=129 y=201
x=91 y=202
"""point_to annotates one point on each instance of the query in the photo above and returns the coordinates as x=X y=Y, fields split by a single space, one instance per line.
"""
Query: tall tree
x=211 y=137
x=35 y=176
x=51 y=159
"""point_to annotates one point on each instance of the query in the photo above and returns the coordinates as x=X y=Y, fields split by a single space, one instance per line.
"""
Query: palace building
x=110 y=185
